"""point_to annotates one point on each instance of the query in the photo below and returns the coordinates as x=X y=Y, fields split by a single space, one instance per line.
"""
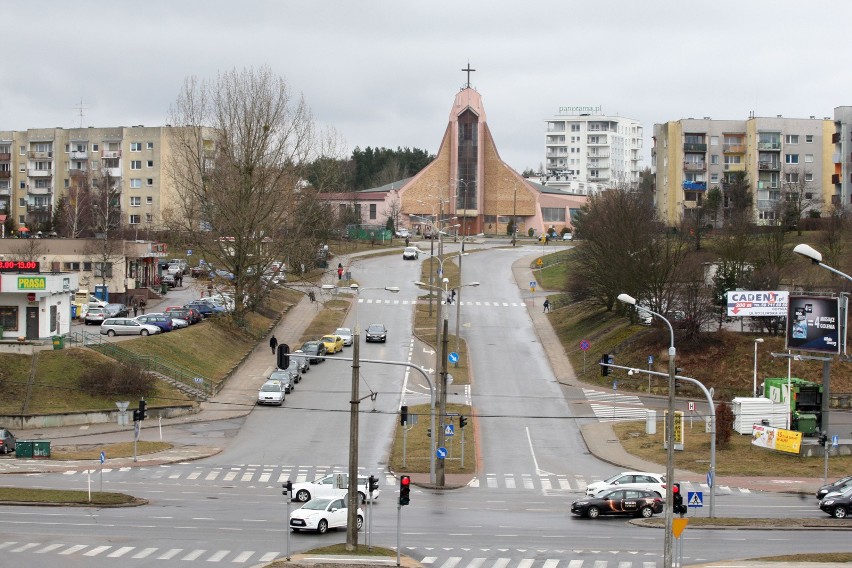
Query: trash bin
x=24 y=449
x=164 y=288
x=806 y=423
x=41 y=449
x=73 y=311
x=58 y=342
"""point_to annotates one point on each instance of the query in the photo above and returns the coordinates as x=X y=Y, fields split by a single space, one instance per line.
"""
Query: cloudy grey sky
x=385 y=72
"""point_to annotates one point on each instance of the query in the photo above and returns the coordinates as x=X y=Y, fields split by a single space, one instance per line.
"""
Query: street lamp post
x=754 y=382
x=458 y=298
x=668 y=556
x=354 y=403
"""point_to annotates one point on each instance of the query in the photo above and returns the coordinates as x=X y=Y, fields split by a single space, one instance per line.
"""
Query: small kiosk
x=34 y=305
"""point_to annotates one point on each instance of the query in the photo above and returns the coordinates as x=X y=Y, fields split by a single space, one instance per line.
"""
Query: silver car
x=127 y=326
x=346 y=334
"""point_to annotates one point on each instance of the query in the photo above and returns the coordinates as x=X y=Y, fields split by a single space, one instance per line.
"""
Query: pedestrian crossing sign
x=449 y=430
x=695 y=498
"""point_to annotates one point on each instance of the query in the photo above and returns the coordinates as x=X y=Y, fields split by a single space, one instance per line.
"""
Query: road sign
x=539 y=262
x=533 y=284
x=695 y=498
x=449 y=430
x=103 y=457
x=198 y=379
x=189 y=252
x=678 y=525
x=453 y=357
x=650 y=359
x=584 y=345
x=691 y=406
x=615 y=385
x=441 y=453
x=834 y=441
x=709 y=479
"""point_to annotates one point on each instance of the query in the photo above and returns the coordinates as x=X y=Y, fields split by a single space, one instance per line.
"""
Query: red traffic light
x=404 y=480
x=675 y=488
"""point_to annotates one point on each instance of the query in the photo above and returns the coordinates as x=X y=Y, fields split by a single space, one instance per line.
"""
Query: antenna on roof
x=80 y=108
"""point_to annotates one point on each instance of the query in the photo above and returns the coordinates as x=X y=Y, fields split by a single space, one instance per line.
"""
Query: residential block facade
x=841 y=176
x=586 y=152
x=691 y=156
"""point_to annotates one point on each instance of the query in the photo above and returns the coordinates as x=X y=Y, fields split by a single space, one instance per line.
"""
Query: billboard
x=778 y=439
x=813 y=324
x=743 y=303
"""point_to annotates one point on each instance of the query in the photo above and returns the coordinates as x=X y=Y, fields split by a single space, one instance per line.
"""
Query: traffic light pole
x=442 y=408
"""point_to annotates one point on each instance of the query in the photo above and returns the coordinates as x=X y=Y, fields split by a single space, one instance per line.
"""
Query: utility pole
x=354 y=403
x=442 y=406
x=514 y=213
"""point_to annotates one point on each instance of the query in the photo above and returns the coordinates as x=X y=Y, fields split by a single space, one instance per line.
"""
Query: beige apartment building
x=38 y=166
x=691 y=156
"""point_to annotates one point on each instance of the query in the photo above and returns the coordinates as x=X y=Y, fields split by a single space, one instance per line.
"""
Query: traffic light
x=428 y=432
x=403 y=415
x=288 y=488
x=283 y=356
x=373 y=484
x=404 y=490
x=141 y=412
x=462 y=421
x=604 y=368
x=823 y=438
x=136 y=415
x=678 y=506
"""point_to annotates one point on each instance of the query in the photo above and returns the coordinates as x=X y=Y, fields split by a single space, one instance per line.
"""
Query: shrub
x=117 y=379
x=724 y=425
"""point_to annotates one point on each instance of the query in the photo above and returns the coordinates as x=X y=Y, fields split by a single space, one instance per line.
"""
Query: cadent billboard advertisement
x=742 y=303
x=813 y=324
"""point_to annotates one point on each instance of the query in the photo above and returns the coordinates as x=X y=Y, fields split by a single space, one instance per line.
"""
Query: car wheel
x=360 y=522
x=593 y=513
x=322 y=526
x=646 y=512
x=303 y=495
x=143 y=332
x=840 y=512
x=363 y=499
x=111 y=333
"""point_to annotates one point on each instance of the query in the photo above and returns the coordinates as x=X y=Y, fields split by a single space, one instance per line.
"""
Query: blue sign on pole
x=103 y=457
x=710 y=479
x=694 y=499
x=650 y=359
x=453 y=357
x=449 y=430
x=441 y=453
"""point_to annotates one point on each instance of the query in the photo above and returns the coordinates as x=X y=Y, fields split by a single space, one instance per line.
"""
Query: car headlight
x=828 y=502
x=581 y=503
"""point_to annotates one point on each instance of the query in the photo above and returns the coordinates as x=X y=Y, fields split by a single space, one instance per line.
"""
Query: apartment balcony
x=598 y=178
x=38 y=191
x=691 y=204
x=5 y=157
x=735 y=167
x=767 y=184
x=694 y=166
x=601 y=141
x=695 y=185
x=110 y=153
x=733 y=148
x=6 y=191
x=75 y=155
x=39 y=173
x=694 y=147
x=38 y=208
x=769 y=146
x=767 y=204
x=835 y=138
x=114 y=173
x=77 y=174
x=835 y=179
x=552 y=154
x=597 y=154
x=40 y=155
x=769 y=166
x=5 y=174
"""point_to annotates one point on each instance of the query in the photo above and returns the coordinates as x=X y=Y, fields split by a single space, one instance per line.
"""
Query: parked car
x=206 y=310
x=841 y=485
x=188 y=314
x=323 y=514
x=95 y=315
x=402 y=233
x=7 y=441
x=655 y=482
x=198 y=271
x=567 y=237
x=127 y=326
x=346 y=334
x=271 y=392
x=162 y=321
x=377 y=332
x=302 y=358
x=285 y=377
x=330 y=486
x=410 y=253
x=116 y=310
x=333 y=343
x=619 y=502
x=177 y=323
x=838 y=506
x=314 y=350
x=295 y=370
x=169 y=279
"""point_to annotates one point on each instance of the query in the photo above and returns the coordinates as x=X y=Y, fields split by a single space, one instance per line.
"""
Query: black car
x=313 y=349
x=619 y=502
x=839 y=506
x=205 y=309
x=303 y=360
x=841 y=484
x=377 y=332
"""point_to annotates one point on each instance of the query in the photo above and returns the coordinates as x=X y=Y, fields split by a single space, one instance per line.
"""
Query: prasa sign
x=757 y=304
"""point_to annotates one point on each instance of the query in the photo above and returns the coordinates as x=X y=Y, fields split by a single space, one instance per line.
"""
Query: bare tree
x=800 y=197
x=107 y=248
x=835 y=235
x=237 y=163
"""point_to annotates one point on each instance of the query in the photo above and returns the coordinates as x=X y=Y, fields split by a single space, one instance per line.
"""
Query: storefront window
x=9 y=318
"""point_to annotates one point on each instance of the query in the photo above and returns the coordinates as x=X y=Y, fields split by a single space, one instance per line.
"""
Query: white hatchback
x=410 y=253
x=655 y=482
x=323 y=514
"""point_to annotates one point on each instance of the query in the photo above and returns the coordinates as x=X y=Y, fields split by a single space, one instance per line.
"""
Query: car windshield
x=310 y=347
x=342 y=331
x=268 y=387
x=316 y=504
x=614 y=478
x=329 y=339
x=376 y=327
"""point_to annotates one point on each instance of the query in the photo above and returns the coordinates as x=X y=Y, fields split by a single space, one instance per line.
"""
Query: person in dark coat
x=273 y=344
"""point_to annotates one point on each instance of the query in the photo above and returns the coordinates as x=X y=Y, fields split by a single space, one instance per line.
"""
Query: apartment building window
x=94 y=147
x=103 y=269
x=70 y=266
x=791 y=139
x=809 y=138
x=792 y=177
x=150 y=163
x=23 y=150
x=136 y=165
x=134 y=219
x=714 y=158
x=23 y=185
x=714 y=178
x=150 y=145
x=22 y=201
x=372 y=210
x=22 y=219
x=714 y=140
x=149 y=218
x=67 y=183
x=135 y=201
x=809 y=177
x=42 y=183
x=136 y=146
x=809 y=158
x=149 y=200
x=22 y=168
x=149 y=182
x=791 y=158
x=135 y=183
x=43 y=166
x=575 y=127
x=67 y=148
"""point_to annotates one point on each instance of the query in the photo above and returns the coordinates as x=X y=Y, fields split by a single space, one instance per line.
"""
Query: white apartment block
x=587 y=152
x=38 y=166
x=691 y=156
x=841 y=177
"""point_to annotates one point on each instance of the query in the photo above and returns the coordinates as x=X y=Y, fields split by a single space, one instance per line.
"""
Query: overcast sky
x=384 y=73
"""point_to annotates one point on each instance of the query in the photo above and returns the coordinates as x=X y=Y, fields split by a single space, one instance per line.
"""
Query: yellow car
x=333 y=343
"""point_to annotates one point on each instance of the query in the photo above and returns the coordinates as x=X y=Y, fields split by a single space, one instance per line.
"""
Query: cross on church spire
x=469 y=70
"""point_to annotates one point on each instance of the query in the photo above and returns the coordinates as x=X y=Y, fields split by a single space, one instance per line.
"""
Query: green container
x=164 y=288
x=806 y=424
x=59 y=342
x=24 y=449
x=41 y=449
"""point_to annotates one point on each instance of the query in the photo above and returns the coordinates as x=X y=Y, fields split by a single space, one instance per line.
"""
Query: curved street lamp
x=668 y=556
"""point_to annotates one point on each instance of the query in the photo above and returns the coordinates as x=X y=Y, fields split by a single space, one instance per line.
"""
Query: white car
x=346 y=334
x=322 y=514
x=271 y=392
x=655 y=482
x=567 y=237
x=410 y=253
x=330 y=486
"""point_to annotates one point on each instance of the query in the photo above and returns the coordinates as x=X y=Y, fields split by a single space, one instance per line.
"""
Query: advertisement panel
x=678 y=430
x=813 y=324
x=778 y=439
x=743 y=303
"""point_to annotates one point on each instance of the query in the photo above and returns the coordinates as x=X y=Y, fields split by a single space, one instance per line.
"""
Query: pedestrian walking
x=546 y=305
x=406 y=241
x=312 y=296
x=135 y=309
x=273 y=344
x=339 y=271
x=142 y=306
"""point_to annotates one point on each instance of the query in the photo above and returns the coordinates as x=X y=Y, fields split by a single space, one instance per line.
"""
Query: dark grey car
x=377 y=332
x=7 y=441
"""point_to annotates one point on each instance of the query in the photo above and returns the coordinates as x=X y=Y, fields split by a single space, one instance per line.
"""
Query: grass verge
x=112 y=451
x=418 y=443
x=64 y=497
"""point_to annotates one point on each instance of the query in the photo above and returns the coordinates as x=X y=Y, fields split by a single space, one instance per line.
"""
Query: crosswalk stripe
x=247 y=476
x=269 y=556
x=193 y=475
x=217 y=556
x=476 y=563
x=550 y=563
x=194 y=554
x=212 y=475
x=171 y=553
x=600 y=563
x=243 y=556
x=525 y=563
x=501 y=563
x=144 y=553
x=229 y=476
x=451 y=562
x=74 y=549
x=575 y=564
x=429 y=560
x=625 y=564
x=120 y=552
x=49 y=548
x=96 y=550
x=27 y=546
x=264 y=477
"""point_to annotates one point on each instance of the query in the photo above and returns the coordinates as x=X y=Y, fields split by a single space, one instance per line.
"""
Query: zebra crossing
x=480 y=303
x=614 y=407
x=561 y=559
